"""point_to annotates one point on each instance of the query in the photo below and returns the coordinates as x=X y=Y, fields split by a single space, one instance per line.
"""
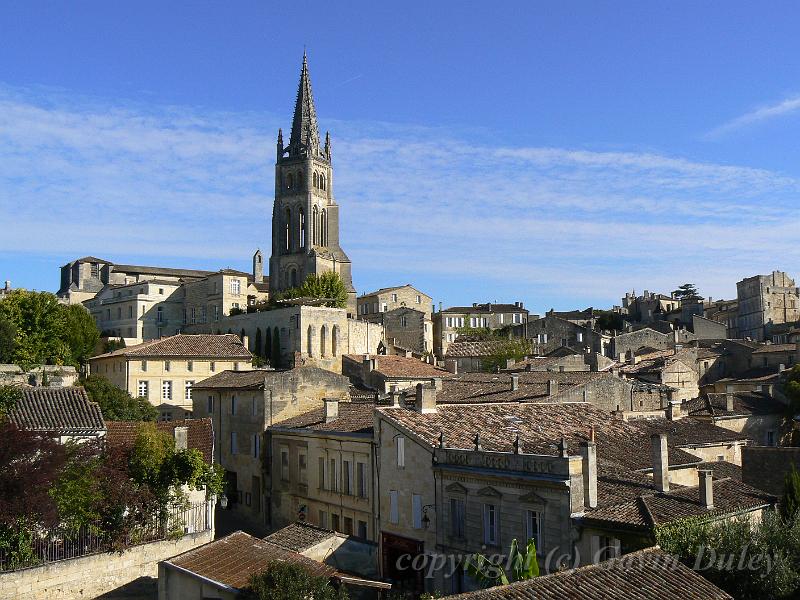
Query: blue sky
x=555 y=153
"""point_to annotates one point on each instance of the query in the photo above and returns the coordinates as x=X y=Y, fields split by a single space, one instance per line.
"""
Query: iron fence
x=35 y=548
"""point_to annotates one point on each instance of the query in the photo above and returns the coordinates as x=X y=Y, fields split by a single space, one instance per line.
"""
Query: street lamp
x=223 y=501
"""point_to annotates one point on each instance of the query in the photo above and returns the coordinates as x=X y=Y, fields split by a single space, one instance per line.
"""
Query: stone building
x=648 y=307
x=552 y=332
x=489 y=316
x=322 y=469
x=242 y=405
x=408 y=329
x=371 y=305
x=766 y=300
x=648 y=337
x=387 y=373
x=676 y=369
x=305 y=216
x=164 y=371
x=756 y=415
x=300 y=334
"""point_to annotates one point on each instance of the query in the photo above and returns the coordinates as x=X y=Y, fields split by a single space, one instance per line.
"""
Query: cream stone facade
x=373 y=304
x=448 y=322
x=765 y=300
x=163 y=378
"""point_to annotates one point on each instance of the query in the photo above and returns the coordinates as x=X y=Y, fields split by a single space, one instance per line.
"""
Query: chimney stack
x=514 y=382
x=426 y=399
x=246 y=342
x=630 y=357
x=729 y=402
x=552 y=387
x=8 y=285
x=706 y=483
x=369 y=364
x=437 y=383
x=451 y=364
x=674 y=410
x=589 y=454
x=660 y=458
x=331 y=409
x=181 y=435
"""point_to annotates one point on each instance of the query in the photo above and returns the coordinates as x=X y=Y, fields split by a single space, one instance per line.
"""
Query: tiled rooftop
x=65 y=410
x=687 y=432
x=235 y=380
x=233 y=559
x=221 y=346
x=641 y=575
x=487 y=387
x=354 y=417
x=200 y=435
x=744 y=404
x=470 y=348
x=299 y=536
x=400 y=366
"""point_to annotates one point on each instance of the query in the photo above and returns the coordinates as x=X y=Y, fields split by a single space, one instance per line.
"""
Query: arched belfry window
x=316 y=181
x=299 y=180
x=293 y=278
x=315 y=226
x=324 y=228
x=289 y=181
x=288 y=229
x=323 y=340
x=322 y=181
x=302 y=228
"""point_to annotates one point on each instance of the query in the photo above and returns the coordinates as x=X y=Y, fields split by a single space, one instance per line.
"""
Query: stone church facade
x=305 y=216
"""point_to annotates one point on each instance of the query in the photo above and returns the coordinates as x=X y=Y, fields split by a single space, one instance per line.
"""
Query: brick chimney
x=514 y=382
x=426 y=399
x=181 y=435
x=630 y=357
x=331 y=409
x=369 y=363
x=706 y=483
x=589 y=467
x=552 y=387
x=246 y=342
x=660 y=457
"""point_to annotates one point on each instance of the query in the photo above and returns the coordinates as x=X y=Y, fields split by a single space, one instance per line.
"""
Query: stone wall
x=650 y=338
x=765 y=467
x=91 y=576
x=706 y=329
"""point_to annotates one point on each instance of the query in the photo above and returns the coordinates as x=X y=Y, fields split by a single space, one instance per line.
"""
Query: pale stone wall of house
x=139 y=311
x=371 y=306
x=178 y=585
x=730 y=452
x=321 y=490
x=91 y=576
x=683 y=378
x=755 y=427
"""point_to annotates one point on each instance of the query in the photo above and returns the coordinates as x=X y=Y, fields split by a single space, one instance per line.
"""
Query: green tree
x=40 y=322
x=289 y=581
x=328 y=286
x=78 y=493
x=8 y=341
x=609 y=321
x=505 y=350
x=117 y=404
x=80 y=333
x=790 y=503
x=9 y=396
x=686 y=291
x=521 y=565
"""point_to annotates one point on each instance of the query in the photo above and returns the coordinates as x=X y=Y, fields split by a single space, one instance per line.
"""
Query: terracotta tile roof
x=65 y=410
x=391 y=289
x=300 y=536
x=359 y=394
x=660 y=508
x=487 y=387
x=401 y=366
x=688 y=432
x=233 y=559
x=200 y=434
x=354 y=417
x=540 y=427
x=234 y=380
x=648 y=573
x=723 y=469
x=744 y=404
x=769 y=348
x=203 y=345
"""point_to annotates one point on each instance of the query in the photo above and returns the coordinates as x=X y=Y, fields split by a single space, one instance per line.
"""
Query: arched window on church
x=335 y=340
x=315 y=226
x=302 y=228
x=316 y=181
x=293 y=278
x=324 y=228
x=322 y=181
x=287 y=226
x=299 y=180
x=310 y=341
x=289 y=181
x=323 y=340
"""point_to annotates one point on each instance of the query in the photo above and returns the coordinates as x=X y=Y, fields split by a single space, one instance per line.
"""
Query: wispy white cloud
x=764 y=113
x=464 y=219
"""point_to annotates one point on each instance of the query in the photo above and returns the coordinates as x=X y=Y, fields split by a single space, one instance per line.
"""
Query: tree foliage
x=790 y=503
x=505 y=350
x=44 y=330
x=686 y=291
x=289 y=581
x=117 y=404
x=746 y=559
x=328 y=286
x=609 y=321
x=9 y=396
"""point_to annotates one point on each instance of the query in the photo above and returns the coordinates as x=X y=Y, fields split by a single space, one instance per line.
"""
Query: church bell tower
x=305 y=217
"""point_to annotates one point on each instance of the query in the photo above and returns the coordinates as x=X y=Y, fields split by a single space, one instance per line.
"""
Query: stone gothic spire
x=305 y=133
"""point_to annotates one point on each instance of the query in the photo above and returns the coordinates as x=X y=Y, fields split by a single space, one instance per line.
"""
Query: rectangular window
x=394 y=297
x=256 y=445
x=233 y=405
x=212 y=366
x=210 y=404
x=284 y=465
x=400 y=446
x=362 y=480
x=321 y=473
x=184 y=316
x=130 y=312
x=362 y=530
x=203 y=314
x=167 y=366
x=416 y=511
x=770 y=438
x=490 y=524
x=216 y=312
x=142 y=389
x=187 y=391
x=335 y=521
x=144 y=365
x=457 y=517
x=302 y=467
x=419 y=299
x=533 y=528
x=394 y=515
x=189 y=365
x=333 y=477
x=348 y=526
x=166 y=390
x=234 y=443
x=580 y=336
x=323 y=519
x=193 y=315
x=347 y=475
x=500 y=318
x=235 y=287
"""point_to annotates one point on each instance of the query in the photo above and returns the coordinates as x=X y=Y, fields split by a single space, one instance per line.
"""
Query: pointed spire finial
x=305 y=133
